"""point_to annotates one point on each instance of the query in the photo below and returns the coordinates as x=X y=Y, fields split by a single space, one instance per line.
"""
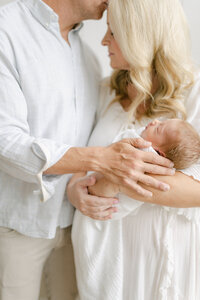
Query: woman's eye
x=111 y=33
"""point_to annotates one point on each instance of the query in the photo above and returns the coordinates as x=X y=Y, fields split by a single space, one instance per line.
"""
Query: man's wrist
x=83 y=159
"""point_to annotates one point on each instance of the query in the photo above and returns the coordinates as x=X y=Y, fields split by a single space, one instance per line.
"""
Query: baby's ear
x=160 y=152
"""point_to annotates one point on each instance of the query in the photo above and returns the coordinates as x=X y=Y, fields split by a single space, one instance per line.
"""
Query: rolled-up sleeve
x=22 y=155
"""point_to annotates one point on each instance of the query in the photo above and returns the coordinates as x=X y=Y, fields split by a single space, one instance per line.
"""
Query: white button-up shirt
x=48 y=98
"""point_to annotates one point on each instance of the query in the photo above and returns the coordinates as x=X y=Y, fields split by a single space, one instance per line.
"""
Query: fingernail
x=172 y=171
x=115 y=210
x=116 y=201
x=166 y=187
x=171 y=165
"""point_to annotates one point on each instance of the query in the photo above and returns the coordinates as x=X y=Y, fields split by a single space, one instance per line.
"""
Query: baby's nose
x=156 y=121
x=153 y=123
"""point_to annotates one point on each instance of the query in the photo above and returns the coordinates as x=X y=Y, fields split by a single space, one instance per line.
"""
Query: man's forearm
x=120 y=162
x=77 y=160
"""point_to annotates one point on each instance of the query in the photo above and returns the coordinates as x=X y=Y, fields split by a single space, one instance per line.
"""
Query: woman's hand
x=98 y=208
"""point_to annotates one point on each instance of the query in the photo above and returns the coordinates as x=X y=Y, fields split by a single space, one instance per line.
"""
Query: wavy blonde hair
x=154 y=39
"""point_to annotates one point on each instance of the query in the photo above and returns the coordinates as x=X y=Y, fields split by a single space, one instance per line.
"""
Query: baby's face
x=161 y=133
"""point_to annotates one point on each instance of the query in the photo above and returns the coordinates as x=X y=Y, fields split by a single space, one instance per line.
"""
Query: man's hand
x=94 y=207
x=122 y=163
x=125 y=164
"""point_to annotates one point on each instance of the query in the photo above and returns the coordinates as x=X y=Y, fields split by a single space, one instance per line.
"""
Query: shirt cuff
x=50 y=154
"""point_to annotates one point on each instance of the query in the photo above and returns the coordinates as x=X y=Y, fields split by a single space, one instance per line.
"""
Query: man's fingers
x=150 y=181
x=158 y=170
x=137 y=188
x=156 y=159
x=140 y=143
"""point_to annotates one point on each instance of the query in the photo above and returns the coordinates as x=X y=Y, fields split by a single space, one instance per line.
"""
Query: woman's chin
x=114 y=66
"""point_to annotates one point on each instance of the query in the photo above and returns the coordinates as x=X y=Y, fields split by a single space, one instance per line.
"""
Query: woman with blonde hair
x=151 y=252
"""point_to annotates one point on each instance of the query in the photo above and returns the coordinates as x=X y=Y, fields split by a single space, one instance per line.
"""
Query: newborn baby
x=174 y=138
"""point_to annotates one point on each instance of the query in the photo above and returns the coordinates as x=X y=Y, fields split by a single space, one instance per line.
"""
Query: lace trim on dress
x=167 y=281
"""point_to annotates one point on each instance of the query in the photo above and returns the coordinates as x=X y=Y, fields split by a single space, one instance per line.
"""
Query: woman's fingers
x=98 y=208
x=86 y=181
x=100 y=201
x=103 y=215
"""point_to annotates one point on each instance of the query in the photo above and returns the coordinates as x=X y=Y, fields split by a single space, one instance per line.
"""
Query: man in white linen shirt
x=48 y=97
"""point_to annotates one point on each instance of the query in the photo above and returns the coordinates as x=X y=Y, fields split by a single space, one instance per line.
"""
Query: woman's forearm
x=184 y=191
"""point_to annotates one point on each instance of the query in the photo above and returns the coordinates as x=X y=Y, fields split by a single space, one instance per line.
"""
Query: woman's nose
x=105 y=41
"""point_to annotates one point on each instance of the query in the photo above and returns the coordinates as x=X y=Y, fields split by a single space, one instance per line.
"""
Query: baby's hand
x=103 y=187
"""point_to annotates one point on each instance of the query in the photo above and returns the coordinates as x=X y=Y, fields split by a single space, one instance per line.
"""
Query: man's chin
x=100 y=13
x=99 y=16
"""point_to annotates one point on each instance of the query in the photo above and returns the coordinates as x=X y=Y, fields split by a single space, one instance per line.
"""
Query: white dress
x=147 y=252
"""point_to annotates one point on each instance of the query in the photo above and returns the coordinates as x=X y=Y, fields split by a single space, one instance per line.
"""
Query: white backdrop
x=93 y=32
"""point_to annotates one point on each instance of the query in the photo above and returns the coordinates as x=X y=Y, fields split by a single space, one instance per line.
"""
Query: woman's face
x=117 y=60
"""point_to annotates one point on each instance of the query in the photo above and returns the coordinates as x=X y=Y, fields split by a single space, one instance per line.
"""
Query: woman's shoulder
x=195 y=89
x=192 y=103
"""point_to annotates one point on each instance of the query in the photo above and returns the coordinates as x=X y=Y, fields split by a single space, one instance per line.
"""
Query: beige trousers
x=23 y=260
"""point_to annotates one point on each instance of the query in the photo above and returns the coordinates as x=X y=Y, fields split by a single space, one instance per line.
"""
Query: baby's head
x=174 y=139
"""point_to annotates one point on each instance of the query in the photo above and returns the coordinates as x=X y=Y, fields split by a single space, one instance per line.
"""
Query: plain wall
x=93 y=32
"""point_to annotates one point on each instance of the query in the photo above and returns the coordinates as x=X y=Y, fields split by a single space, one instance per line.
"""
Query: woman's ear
x=160 y=152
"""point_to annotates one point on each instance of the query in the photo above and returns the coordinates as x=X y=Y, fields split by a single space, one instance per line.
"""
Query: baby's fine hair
x=186 y=150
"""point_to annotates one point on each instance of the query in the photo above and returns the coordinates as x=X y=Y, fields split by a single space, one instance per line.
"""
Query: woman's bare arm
x=184 y=191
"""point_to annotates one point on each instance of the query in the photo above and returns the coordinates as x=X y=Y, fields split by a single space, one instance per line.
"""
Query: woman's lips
x=105 y=4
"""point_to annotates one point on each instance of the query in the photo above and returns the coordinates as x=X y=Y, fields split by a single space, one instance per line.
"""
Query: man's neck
x=68 y=14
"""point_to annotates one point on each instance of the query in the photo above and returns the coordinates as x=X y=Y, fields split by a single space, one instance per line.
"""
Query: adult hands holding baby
x=98 y=208
x=123 y=163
